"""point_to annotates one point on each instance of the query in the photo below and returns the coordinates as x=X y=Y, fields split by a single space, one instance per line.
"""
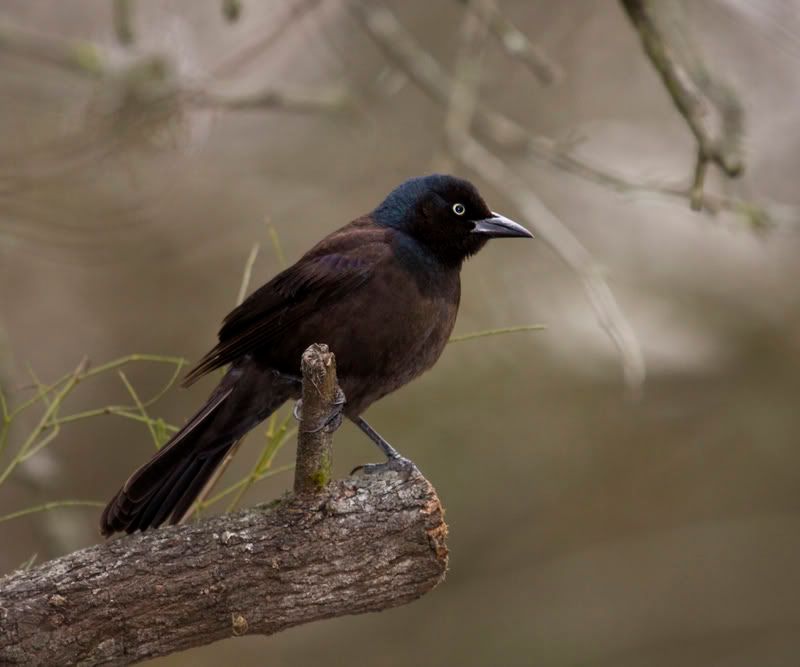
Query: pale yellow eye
x=459 y=209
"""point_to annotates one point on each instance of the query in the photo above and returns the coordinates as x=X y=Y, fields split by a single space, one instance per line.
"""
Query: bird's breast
x=395 y=333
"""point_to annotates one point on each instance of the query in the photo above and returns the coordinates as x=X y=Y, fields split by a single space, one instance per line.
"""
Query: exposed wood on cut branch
x=321 y=394
x=366 y=543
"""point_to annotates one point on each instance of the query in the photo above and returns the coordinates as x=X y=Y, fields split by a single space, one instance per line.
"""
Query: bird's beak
x=499 y=226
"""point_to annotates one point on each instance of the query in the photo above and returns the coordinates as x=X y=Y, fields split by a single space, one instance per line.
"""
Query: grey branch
x=361 y=544
x=516 y=44
x=509 y=136
x=709 y=107
x=401 y=48
x=297 y=100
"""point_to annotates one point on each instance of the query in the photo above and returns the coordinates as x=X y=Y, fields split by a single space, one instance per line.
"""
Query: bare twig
x=78 y=57
x=312 y=100
x=507 y=135
x=247 y=273
x=709 y=107
x=610 y=316
x=231 y=10
x=123 y=21
x=516 y=43
x=465 y=88
x=486 y=333
x=278 y=30
x=46 y=507
x=422 y=68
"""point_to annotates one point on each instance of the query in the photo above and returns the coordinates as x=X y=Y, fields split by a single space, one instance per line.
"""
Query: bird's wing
x=285 y=300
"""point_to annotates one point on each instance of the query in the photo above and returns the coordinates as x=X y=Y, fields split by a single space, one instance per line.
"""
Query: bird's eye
x=459 y=209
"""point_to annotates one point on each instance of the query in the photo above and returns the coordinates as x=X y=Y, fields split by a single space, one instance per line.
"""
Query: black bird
x=382 y=292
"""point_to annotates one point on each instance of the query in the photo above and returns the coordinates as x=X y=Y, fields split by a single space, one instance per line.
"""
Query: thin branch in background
x=200 y=502
x=276 y=438
x=122 y=11
x=709 y=107
x=141 y=408
x=232 y=10
x=261 y=469
x=245 y=480
x=516 y=43
x=139 y=101
x=399 y=45
x=5 y=426
x=297 y=100
x=467 y=71
x=508 y=135
x=75 y=56
x=28 y=564
x=492 y=169
x=52 y=398
x=247 y=273
x=46 y=507
x=42 y=423
x=277 y=247
x=486 y=333
x=264 y=43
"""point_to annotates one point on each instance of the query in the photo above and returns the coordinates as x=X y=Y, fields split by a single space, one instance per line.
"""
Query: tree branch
x=516 y=44
x=321 y=392
x=420 y=66
x=361 y=544
x=709 y=107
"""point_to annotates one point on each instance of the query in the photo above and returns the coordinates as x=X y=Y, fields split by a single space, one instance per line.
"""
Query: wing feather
x=281 y=303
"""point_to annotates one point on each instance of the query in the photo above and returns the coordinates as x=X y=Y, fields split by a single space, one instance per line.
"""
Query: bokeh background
x=587 y=527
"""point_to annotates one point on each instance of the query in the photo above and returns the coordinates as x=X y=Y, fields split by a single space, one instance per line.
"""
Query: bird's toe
x=400 y=464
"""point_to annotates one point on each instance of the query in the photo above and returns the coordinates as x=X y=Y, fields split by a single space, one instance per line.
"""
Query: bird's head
x=445 y=214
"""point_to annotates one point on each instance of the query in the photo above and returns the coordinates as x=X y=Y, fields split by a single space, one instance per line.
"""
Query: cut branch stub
x=321 y=396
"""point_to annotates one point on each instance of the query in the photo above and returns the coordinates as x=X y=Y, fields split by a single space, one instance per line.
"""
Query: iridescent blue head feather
x=446 y=215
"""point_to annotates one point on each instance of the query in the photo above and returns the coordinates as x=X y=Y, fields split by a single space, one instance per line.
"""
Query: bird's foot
x=399 y=464
x=329 y=422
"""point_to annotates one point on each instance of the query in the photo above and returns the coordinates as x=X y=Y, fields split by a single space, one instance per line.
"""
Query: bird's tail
x=168 y=484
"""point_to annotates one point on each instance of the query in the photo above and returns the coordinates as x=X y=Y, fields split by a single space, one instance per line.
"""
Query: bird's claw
x=399 y=464
x=331 y=422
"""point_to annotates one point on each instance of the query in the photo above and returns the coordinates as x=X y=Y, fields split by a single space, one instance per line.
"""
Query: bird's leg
x=330 y=422
x=296 y=379
x=394 y=460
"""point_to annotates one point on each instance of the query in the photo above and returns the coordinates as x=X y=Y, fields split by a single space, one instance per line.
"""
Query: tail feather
x=184 y=500
x=167 y=485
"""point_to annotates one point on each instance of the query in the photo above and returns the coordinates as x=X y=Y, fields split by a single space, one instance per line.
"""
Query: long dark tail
x=168 y=484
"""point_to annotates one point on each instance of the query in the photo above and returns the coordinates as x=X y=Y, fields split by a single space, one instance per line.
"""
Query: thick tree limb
x=361 y=544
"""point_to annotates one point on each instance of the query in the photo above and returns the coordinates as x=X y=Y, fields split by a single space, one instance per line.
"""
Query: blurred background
x=145 y=147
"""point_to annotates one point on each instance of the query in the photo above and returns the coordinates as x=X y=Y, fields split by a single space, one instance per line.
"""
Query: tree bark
x=365 y=543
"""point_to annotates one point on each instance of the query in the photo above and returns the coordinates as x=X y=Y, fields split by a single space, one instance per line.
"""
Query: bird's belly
x=403 y=338
x=384 y=334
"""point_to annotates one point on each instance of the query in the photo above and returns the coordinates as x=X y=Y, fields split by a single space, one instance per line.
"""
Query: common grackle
x=382 y=292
